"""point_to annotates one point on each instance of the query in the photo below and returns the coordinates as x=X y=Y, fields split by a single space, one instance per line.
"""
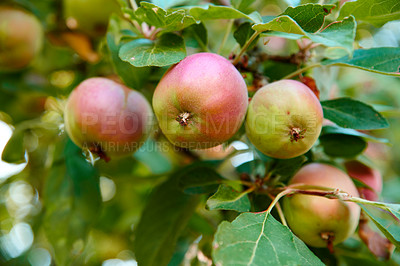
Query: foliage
x=166 y=205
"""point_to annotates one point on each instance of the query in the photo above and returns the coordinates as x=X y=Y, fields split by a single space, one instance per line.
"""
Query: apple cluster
x=199 y=103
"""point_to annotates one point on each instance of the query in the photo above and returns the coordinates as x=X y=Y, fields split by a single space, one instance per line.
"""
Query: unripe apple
x=316 y=220
x=370 y=177
x=89 y=16
x=284 y=119
x=106 y=117
x=21 y=38
x=200 y=102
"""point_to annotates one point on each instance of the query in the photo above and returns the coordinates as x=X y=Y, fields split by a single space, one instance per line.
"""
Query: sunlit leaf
x=376 y=12
x=167 y=50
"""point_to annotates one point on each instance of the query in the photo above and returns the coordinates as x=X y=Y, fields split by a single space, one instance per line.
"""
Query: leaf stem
x=277 y=198
x=279 y=209
x=245 y=46
x=301 y=70
x=227 y=32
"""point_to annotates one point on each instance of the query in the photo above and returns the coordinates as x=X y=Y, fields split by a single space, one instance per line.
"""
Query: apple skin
x=310 y=216
x=370 y=177
x=21 y=38
x=284 y=119
x=200 y=102
x=103 y=114
x=89 y=16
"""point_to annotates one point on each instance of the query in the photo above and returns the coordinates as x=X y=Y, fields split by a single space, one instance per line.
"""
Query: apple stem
x=183 y=118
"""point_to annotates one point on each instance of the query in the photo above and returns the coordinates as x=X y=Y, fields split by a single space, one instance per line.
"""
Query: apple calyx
x=296 y=134
x=96 y=149
x=183 y=118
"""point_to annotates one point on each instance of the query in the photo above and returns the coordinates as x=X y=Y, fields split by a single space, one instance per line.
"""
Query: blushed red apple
x=284 y=119
x=317 y=220
x=200 y=102
x=107 y=117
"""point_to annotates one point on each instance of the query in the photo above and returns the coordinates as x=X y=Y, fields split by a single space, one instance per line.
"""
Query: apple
x=21 y=38
x=107 y=118
x=320 y=221
x=200 y=102
x=284 y=119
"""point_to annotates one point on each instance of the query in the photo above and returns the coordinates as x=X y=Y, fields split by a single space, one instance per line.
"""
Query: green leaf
x=14 y=152
x=133 y=77
x=286 y=168
x=149 y=155
x=376 y=12
x=297 y=20
x=387 y=220
x=337 y=34
x=282 y=24
x=169 y=3
x=349 y=113
x=165 y=215
x=169 y=21
x=243 y=33
x=310 y=17
x=258 y=239
x=226 y=198
x=197 y=32
x=167 y=50
x=341 y=145
x=351 y=132
x=199 y=179
x=383 y=60
x=221 y=12
x=73 y=202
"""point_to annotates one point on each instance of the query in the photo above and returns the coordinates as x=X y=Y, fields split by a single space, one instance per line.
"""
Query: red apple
x=200 y=102
x=107 y=117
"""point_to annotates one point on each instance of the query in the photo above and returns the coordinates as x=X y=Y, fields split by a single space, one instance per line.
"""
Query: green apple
x=284 y=119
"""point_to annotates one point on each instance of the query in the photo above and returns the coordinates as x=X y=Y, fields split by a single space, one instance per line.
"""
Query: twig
x=245 y=46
